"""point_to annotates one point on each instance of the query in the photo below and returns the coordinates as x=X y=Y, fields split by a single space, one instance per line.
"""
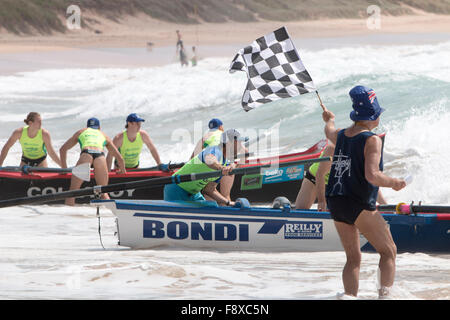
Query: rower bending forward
x=210 y=159
x=92 y=141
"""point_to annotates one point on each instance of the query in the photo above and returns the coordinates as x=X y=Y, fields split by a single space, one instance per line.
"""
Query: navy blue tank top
x=347 y=177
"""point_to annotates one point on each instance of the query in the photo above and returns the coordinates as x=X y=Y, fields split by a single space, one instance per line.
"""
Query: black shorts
x=93 y=153
x=345 y=209
x=33 y=162
x=310 y=177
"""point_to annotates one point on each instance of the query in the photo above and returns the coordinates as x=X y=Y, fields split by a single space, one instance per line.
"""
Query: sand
x=137 y=31
x=80 y=48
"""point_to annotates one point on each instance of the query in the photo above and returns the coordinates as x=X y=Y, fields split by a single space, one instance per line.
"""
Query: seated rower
x=35 y=142
x=210 y=159
x=212 y=138
x=92 y=141
x=129 y=142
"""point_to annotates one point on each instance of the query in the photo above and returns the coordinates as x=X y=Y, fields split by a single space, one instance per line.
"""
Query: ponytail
x=31 y=117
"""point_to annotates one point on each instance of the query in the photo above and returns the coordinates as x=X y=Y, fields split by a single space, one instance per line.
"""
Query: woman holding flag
x=351 y=193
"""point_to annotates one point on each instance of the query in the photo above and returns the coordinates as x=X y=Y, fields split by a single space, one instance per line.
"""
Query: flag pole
x=320 y=100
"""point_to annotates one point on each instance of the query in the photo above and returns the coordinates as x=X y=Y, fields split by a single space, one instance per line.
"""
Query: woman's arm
x=372 y=156
x=149 y=143
x=69 y=144
x=117 y=141
x=330 y=130
x=322 y=170
x=48 y=144
x=12 y=139
x=116 y=154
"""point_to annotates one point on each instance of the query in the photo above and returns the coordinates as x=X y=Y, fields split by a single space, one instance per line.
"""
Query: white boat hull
x=149 y=224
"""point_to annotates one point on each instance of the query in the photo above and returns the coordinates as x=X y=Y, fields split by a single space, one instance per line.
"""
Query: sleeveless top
x=32 y=148
x=92 y=138
x=315 y=166
x=197 y=165
x=131 y=151
x=213 y=139
x=347 y=174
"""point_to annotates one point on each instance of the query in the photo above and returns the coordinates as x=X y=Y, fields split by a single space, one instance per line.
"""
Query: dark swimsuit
x=93 y=153
x=310 y=177
x=33 y=162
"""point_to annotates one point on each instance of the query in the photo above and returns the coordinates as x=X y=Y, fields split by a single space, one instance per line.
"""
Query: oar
x=155 y=168
x=180 y=164
x=97 y=190
x=82 y=171
x=403 y=208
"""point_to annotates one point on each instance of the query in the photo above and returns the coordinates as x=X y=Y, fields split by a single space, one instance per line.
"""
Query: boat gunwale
x=265 y=212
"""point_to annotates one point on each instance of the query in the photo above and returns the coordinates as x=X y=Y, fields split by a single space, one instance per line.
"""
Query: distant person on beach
x=180 y=51
x=210 y=159
x=194 y=57
x=179 y=41
x=351 y=193
x=315 y=179
x=183 y=56
x=130 y=141
x=35 y=142
x=92 y=142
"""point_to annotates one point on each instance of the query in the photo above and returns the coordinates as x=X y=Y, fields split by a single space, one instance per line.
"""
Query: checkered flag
x=274 y=70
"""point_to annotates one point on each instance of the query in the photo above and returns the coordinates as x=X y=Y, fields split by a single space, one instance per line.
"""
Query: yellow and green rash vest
x=92 y=138
x=131 y=151
x=32 y=148
x=197 y=165
x=315 y=166
x=213 y=139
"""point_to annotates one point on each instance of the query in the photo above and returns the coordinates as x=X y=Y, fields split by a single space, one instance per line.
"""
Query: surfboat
x=146 y=224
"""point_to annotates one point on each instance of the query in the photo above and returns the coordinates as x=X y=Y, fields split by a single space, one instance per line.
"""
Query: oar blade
x=82 y=171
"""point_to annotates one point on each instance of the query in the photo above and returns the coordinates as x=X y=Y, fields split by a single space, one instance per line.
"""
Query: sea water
x=54 y=251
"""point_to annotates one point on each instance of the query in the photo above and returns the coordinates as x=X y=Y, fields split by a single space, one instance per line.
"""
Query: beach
x=54 y=252
x=85 y=48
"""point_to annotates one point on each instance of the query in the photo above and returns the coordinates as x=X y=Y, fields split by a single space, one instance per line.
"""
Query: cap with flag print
x=274 y=70
x=365 y=104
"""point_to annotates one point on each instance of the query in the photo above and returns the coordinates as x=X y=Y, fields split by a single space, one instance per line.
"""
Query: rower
x=211 y=137
x=129 y=143
x=92 y=142
x=210 y=159
x=35 y=142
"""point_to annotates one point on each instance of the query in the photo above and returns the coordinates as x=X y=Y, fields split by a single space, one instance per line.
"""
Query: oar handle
x=403 y=208
x=154 y=168
x=180 y=164
x=26 y=169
